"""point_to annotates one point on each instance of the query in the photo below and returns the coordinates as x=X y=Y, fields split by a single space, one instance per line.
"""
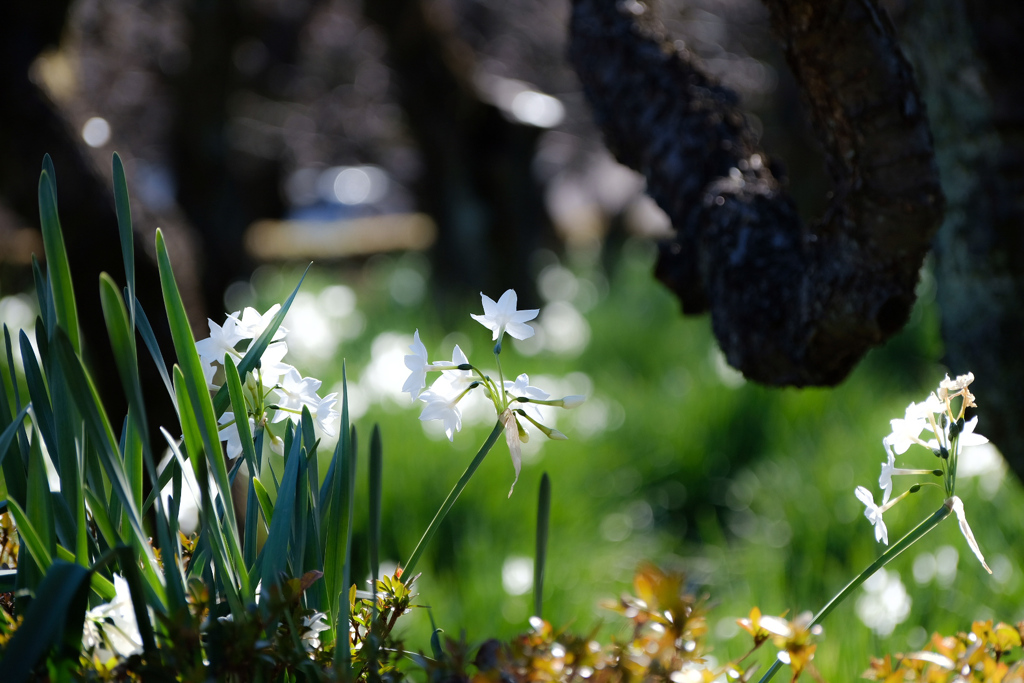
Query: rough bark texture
x=968 y=56
x=790 y=304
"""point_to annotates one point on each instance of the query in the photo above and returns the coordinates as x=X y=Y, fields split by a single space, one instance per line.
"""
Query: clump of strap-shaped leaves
x=197 y=606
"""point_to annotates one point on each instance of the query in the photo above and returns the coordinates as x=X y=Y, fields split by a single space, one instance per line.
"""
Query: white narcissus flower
x=272 y=365
x=293 y=392
x=957 y=506
x=253 y=324
x=325 y=415
x=521 y=388
x=459 y=380
x=907 y=431
x=888 y=470
x=314 y=624
x=873 y=513
x=111 y=628
x=442 y=406
x=502 y=316
x=222 y=340
x=229 y=433
x=967 y=436
x=418 y=365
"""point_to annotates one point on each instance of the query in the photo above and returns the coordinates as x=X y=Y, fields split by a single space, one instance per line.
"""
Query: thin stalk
x=450 y=500
x=910 y=539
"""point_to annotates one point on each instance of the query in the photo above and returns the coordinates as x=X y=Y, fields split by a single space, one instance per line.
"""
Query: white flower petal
x=965 y=529
x=514 y=446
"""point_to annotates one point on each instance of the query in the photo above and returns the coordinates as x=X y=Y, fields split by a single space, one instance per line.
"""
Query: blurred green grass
x=748 y=489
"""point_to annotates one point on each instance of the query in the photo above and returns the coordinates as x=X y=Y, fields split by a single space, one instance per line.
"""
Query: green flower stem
x=910 y=539
x=450 y=500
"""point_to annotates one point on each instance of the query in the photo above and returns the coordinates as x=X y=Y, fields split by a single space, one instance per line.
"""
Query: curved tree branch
x=790 y=304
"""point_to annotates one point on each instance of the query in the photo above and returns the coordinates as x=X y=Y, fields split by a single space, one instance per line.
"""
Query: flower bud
x=570 y=402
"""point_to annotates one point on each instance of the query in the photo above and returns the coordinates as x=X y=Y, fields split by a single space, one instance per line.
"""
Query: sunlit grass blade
x=241 y=412
x=344 y=663
x=212 y=531
x=124 y=229
x=301 y=506
x=99 y=516
x=199 y=398
x=543 y=521
x=38 y=394
x=96 y=423
x=37 y=548
x=8 y=434
x=102 y=439
x=275 y=550
x=333 y=525
x=40 y=507
x=57 y=268
x=251 y=525
x=376 y=496
x=55 y=617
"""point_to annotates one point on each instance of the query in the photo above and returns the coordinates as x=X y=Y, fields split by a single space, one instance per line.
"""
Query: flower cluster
x=942 y=416
x=275 y=391
x=515 y=402
x=985 y=655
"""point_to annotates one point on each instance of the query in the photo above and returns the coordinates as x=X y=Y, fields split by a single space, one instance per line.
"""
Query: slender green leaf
x=252 y=521
x=40 y=510
x=44 y=296
x=98 y=426
x=345 y=661
x=264 y=499
x=55 y=617
x=211 y=530
x=37 y=547
x=38 y=394
x=124 y=229
x=238 y=407
x=198 y=394
x=146 y=330
x=8 y=434
x=99 y=515
x=57 y=268
x=275 y=549
x=543 y=520
x=335 y=524
x=376 y=495
x=102 y=437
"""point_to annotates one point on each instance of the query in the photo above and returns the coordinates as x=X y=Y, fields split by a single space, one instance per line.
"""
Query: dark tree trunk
x=790 y=304
x=223 y=190
x=477 y=182
x=968 y=58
